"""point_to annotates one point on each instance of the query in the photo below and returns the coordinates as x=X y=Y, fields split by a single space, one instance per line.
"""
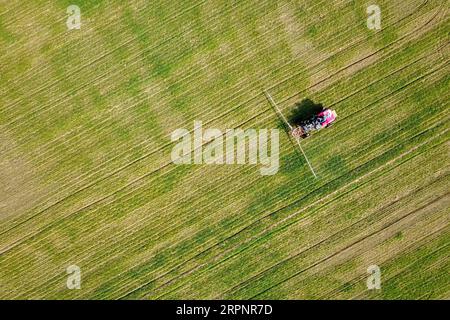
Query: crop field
x=87 y=179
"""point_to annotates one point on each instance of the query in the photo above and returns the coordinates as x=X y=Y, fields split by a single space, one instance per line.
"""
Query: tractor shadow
x=304 y=110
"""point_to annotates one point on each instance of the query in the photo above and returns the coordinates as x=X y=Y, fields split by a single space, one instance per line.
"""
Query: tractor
x=321 y=120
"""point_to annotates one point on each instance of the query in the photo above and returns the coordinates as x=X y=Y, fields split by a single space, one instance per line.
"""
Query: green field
x=86 y=176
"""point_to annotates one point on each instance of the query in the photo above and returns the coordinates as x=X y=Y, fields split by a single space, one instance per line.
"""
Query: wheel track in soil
x=262 y=234
x=219 y=103
x=348 y=247
x=362 y=277
x=88 y=257
x=131 y=241
x=87 y=65
x=407 y=250
x=405 y=269
x=145 y=156
x=135 y=190
x=139 y=159
x=85 y=132
x=139 y=59
x=349 y=46
x=275 y=230
x=363 y=39
x=381 y=213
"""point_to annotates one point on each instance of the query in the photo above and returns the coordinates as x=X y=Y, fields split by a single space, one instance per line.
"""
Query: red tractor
x=322 y=120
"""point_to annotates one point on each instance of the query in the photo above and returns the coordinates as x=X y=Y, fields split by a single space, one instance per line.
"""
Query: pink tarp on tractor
x=329 y=116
